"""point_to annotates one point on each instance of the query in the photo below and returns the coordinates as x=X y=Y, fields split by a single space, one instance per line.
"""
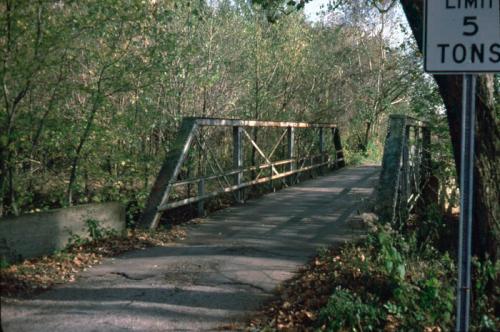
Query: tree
x=486 y=228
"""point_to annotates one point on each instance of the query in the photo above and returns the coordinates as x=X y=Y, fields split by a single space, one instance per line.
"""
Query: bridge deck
x=226 y=267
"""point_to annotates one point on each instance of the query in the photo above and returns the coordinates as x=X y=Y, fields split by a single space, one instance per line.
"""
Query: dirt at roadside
x=33 y=276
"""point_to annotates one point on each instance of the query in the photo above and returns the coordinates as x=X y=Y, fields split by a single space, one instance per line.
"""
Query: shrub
x=346 y=310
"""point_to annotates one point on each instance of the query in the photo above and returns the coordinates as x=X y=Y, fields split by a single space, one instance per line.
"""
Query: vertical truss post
x=387 y=190
x=426 y=153
x=201 y=192
x=405 y=186
x=428 y=185
x=311 y=162
x=322 y=149
x=271 y=186
x=290 y=133
x=417 y=164
x=238 y=161
x=339 y=152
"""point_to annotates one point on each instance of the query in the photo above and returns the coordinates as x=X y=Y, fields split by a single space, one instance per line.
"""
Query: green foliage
x=405 y=285
x=95 y=232
x=4 y=263
x=371 y=154
x=389 y=257
x=75 y=240
x=423 y=297
x=487 y=291
x=95 y=90
x=98 y=232
x=399 y=280
x=346 y=311
x=323 y=251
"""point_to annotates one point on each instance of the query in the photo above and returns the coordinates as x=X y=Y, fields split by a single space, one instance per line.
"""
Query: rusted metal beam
x=201 y=202
x=260 y=151
x=235 y=187
x=158 y=200
x=168 y=173
x=238 y=161
x=233 y=172
x=275 y=147
x=229 y=173
x=291 y=151
x=252 y=123
x=322 y=146
x=404 y=191
x=405 y=169
x=387 y=189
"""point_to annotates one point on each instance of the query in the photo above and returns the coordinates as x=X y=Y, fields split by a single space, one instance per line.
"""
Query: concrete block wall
x=37 y=234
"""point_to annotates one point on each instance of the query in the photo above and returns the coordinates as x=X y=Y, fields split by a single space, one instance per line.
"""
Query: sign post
x=463 y=37
x=466 y=199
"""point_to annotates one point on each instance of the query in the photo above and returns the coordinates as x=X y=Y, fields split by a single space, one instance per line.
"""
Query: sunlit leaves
x=133 y=69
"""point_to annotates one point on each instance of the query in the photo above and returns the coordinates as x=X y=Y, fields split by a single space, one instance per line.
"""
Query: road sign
x=462 y=36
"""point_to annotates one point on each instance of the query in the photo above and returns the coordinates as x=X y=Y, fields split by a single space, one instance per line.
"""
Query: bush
x=400 y=286
x=389 y=281
x=346 y=309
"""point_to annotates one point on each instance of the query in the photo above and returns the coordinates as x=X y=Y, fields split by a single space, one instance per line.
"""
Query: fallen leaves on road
x=298 y=301
x=34 y=275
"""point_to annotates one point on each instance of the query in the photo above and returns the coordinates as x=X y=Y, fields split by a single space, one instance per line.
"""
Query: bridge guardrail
x=406 y=168
x=239 y=176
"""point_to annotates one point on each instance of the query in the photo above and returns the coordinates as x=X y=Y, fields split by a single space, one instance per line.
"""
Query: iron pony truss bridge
x=211 y=157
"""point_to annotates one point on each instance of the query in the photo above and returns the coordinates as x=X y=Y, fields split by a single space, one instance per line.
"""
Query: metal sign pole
x=452 y=32
x=466 y=199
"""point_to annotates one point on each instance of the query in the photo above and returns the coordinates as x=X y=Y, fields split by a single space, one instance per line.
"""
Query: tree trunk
x=83 y=140
x=486 y=226
x=366 y=138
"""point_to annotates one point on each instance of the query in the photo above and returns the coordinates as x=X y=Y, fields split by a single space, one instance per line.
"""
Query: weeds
x=389 y=281
x=95 y=232
x=346 y=308
x=402 y=291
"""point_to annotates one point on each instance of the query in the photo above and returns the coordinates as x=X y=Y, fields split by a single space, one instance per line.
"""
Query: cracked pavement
x=228 y=265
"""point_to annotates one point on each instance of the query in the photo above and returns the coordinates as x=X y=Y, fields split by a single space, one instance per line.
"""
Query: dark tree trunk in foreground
x=486 y=227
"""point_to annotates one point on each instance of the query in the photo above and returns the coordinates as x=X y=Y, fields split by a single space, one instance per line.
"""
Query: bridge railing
x=211 y=157
x=406 y=167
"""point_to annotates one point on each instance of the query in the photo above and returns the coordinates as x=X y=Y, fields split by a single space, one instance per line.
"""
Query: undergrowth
x=396 y=285
x=389 y=281
x=372 y=154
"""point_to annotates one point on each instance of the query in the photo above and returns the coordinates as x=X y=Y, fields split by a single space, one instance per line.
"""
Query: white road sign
x=462 y=36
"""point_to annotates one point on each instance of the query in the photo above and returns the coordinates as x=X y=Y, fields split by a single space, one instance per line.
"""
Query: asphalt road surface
x=220 y=274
